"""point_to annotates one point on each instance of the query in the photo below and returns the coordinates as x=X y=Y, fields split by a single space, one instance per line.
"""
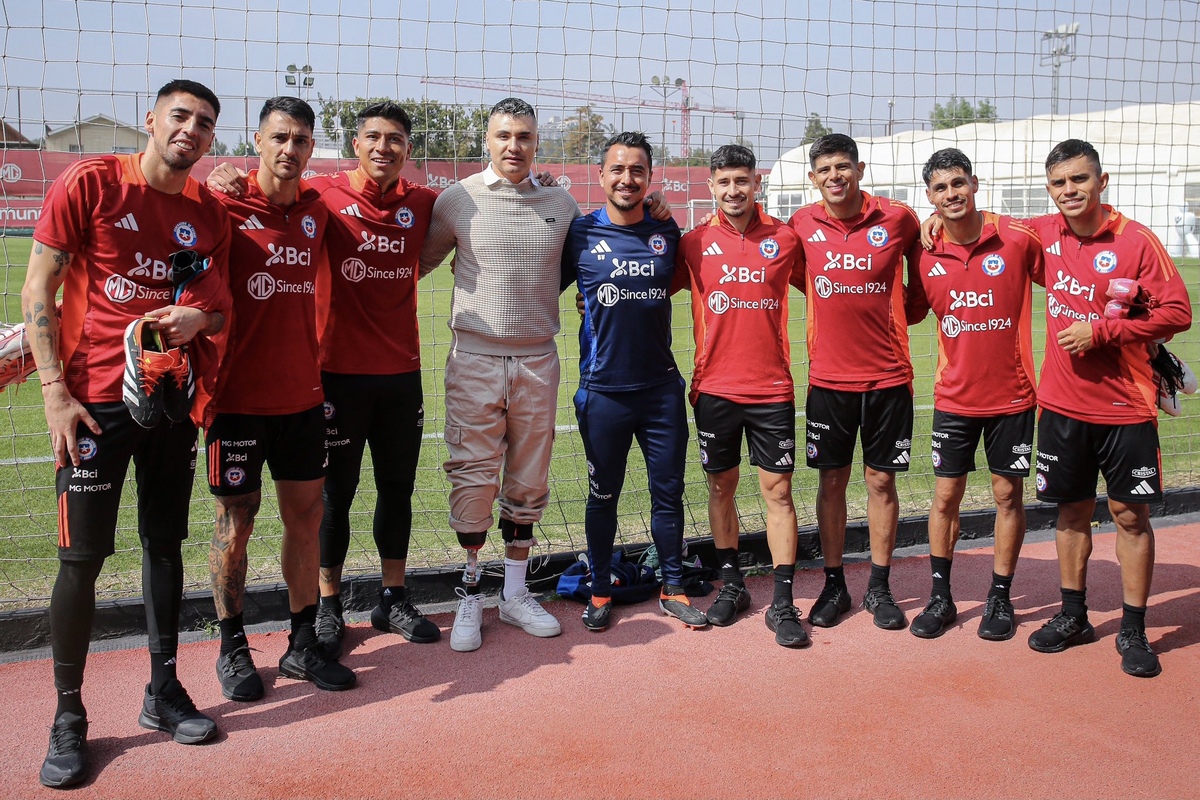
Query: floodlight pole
x=1058 y=47
x=297 y=77
x=666 y=87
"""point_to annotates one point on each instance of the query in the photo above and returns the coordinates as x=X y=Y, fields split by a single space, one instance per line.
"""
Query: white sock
x=514 y=577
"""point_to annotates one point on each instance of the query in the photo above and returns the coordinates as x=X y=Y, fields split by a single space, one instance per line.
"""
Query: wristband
x=59 y=379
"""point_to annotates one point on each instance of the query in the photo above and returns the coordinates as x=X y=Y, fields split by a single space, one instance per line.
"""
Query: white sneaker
x=465 y=635
x=526 y=613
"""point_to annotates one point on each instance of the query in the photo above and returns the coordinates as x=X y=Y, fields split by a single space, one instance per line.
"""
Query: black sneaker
x=239 y=679
x=146 y=366
x=785 y=621
x=932 y=622
x=405 y=620
x=732 y=600
x=595 y=618
x=310 y=664
x=330 y=628
x=1061 y=632
x=832 y=602
x=66 y=760
x=173 y=712
x=679 y=607
x=1137 y=659
x=999 y=622
x=887 y=614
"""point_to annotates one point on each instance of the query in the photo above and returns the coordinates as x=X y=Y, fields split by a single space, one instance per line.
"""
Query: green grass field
x=27 y=506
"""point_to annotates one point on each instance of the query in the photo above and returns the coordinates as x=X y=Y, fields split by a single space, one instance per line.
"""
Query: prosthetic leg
x=471 y=542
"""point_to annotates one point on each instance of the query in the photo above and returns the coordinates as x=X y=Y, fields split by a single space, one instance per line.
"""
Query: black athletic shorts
x=833 y=420
x=385 y=411
x=770 y=430
x=292 y=445
x=1070 y=454
x=1007 y=441
x=89 y=496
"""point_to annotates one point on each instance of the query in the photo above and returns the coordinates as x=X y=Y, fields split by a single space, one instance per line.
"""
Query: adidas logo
x=601 y=249
x=819 y=236
x=786 y=461
x=251 y=224
x=938 y=269
x=127 y=222
x=1142 y=488
x=713 y=250
x=1055 y=249
x=1020 y=463
x=901 y=459
x=352 y=211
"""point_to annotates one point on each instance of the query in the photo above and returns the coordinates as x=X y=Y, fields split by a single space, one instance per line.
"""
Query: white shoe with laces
x=527 y=614
x=465 y=635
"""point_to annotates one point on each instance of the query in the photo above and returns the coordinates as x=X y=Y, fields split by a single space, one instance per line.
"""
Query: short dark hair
x=1073 y=148
x=385 y=109
x=731 y=156
x=944 y=160
x=190 y=87
x=628 y=139
x=831 y=144
x=289 y=106
x=514 y=107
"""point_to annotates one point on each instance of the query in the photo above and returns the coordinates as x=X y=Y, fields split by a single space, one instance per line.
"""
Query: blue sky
x=776 y=61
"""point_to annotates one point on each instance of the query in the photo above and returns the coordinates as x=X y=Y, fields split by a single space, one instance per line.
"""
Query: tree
x=218 y=148
x=439 y=130
x=584 y=134
x=961 y=111
x=243 y=148
x=814 y=129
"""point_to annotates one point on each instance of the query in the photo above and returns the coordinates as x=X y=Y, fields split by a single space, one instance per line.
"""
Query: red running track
x=650 y=709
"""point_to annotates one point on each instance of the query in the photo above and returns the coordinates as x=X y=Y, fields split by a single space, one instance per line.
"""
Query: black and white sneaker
x=404 y=619
x=882 y=605
x=310 y=664
x=832 y=603
x=66 y=761
x=1061 y=632
x=172 y=711
x=1137 y=659
x=679 y=607
x=239 y=679
x=733 y=599
x=785 y=621
x=596 y=617
x=937 y=616
x=146 y=366
x=998 y=623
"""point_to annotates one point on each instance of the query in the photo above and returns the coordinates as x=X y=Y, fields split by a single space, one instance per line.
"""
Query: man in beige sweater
x=502 y=372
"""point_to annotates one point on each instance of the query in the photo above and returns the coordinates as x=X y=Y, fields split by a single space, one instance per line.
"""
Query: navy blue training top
x=624 y=273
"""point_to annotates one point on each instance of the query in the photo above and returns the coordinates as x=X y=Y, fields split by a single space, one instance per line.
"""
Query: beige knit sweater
x=509 y=239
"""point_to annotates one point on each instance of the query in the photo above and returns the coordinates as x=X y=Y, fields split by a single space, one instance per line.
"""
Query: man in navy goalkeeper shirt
x=629 y=385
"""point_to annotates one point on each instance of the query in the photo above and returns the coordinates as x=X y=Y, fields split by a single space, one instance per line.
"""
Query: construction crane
x=685 y=107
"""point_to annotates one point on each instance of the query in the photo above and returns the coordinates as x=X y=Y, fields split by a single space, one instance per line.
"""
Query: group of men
x=301 y=338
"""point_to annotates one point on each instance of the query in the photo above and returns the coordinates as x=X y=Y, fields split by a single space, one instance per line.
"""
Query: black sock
x=303 y=630
x=835 y=576
x=940 y=567
x=1000 y=586
x=1133 y=617
x=1074 y=603
x=727 y=562
x=879 y=577
x=784 y=576
x=70 y=700
x=390 y=594
x=162 y=671
x=233 y=633
x=332 y=602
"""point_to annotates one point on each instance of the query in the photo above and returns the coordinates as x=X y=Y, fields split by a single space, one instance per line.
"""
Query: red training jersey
x=857 y=327
x=982 y=295
x=1111 y=383
x=121 y=232
x=739 y=283
x=367 y=299
x=271 y=364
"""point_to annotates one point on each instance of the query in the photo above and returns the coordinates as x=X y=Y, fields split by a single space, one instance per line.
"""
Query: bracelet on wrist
x=59 y=379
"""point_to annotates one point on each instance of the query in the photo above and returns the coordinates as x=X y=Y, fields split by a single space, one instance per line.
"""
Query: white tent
x=1151 y=152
